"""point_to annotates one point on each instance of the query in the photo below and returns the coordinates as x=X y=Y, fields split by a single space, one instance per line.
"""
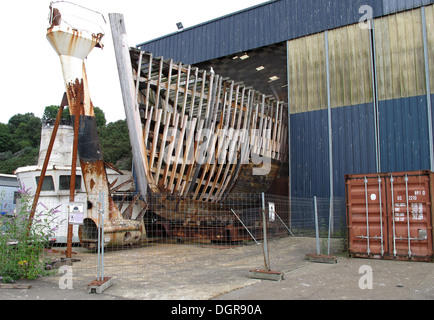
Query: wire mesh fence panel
x=189 y=241
x=173 y=223
x=303 y=216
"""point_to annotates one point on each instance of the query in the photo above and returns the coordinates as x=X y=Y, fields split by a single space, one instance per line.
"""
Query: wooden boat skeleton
x=200 y=129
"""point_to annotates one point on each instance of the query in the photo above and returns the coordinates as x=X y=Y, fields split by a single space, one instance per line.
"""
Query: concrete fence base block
x=99 y=286
x=266 y=275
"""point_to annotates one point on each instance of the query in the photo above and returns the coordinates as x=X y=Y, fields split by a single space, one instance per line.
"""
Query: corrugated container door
x=410 y=216
x=366 y=215
x=389 y=215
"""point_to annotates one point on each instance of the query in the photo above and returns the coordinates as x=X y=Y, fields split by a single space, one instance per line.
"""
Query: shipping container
x=389 y=215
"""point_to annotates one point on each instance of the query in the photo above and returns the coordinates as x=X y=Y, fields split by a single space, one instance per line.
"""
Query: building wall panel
x=429 y=13
x=392 y=6
x=350 y=66
x=404 y=134
x=353 y=143
x=400 y=56
x=309 y=154
x=307 y=72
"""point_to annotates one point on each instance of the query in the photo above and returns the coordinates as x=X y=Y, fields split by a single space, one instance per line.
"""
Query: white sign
x=76 y=213
x=271 y=212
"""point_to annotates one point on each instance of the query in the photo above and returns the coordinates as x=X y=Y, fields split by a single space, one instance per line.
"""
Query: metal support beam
x=289 y=120
x=375 y=95
x=329 y=112
x=428 y=90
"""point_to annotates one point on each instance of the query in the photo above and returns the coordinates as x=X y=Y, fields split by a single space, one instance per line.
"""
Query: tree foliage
x=20 y=139
x=115 y=143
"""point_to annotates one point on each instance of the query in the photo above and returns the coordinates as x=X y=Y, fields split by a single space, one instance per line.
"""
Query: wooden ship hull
x=206 y=141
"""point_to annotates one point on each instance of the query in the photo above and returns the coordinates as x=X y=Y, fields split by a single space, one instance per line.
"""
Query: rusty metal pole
x=45 y=165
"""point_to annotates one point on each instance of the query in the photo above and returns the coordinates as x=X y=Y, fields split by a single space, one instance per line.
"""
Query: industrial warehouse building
x=358 y=76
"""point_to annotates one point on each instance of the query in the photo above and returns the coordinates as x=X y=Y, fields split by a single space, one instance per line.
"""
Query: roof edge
x=208 y=22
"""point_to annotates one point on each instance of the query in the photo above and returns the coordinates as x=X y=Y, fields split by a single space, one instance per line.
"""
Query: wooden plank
x=160 y=74
x=121 y=185
x=217 y=138
x=230 y=165
x=245 y=139
x=261 y=127
x=221 y=159
x=187 y=152
x=123 y=61
x=170 y=151
x=178 y=150
x=147 y=126
x=229 y=104
x=223 y=141
x=234 y=115
x=254 y=135
x=139 y=71
x=279 y=135
x=184 y=103
x=210 y=92
x=275 y=131
x=236 y=145
x=162 y=147
x=210 y=147
x=148 y=87
x=167 y=86
x=178 y=82
x=193 y=96
x=202 y=94
x=155 y=138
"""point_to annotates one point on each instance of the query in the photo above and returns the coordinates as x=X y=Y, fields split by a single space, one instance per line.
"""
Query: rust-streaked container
x=389 y=215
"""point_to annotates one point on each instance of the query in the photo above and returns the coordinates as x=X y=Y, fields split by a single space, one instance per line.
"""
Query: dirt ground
x=170 y=271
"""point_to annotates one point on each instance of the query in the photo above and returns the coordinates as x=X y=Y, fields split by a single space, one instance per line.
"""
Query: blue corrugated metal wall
x=392 y=6
x=404 y=144
x=404 y=134
x=353 y=143
x=353 y=149
x=309 y=154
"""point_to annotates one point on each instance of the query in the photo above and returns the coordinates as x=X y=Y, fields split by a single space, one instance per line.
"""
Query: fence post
x=265 y=242
x=101 y=283
x=316 y=226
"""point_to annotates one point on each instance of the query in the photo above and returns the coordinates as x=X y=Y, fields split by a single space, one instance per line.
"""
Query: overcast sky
x=31 y=71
